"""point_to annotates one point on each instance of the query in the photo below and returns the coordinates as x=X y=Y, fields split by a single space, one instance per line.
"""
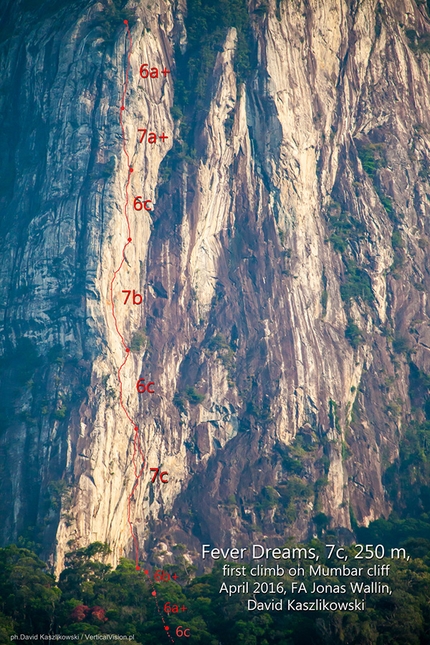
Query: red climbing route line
x=130 y=170
x=137 y=447
x=138 y=456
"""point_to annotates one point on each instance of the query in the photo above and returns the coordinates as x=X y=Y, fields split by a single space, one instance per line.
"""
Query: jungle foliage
x=92 y=599
x=207 y=24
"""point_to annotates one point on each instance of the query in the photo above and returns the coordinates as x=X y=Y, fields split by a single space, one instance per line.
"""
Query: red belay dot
x=166 y=627
x=154 y=593
x=122 y=107
x=137 y=567
x=127 y=349
x=126 y=22
x=129 y=239
x=131 y=169
x=146 y=571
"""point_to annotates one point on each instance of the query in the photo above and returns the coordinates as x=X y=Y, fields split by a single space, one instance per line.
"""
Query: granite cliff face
x=283 y=272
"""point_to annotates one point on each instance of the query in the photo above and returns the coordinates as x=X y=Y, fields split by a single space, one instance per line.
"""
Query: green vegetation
x=59 y=494
x=399 y=253
x=346 y=234
x=345 y=229
x=300 y=447
x=93 y=599
x=357 y=283
x=424 y=172
x=207 y=23
x=291 y=464
x=324 y=301
x=324 y=294
x=354 y=335
x=401 y=345
x=346 y=453
x=60 y=413
x=378 y=20
x=321 y=520
x=371 y=156
x=139 y=342
x=388 y=205
x=394 y=408
x=396 y=241
x=219 y=344
x=261 y=413
x=262 y=9
x=333 y=415
x=110 y=20
x=386 y=202
x=292 y=496
x=296 y=490
x=179 y=401
x=408 y=478
x=231 y=501
x=193 y=396
x=28 y=594
x=268 y=498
